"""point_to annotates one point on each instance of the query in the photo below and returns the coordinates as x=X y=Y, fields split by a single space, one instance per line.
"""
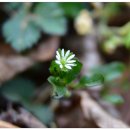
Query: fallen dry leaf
x=12 y=63
x=21 y=117
x=4 y=124
x=93 y=111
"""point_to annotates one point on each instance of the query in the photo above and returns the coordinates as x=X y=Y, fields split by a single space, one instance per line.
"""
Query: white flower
x=65 y=60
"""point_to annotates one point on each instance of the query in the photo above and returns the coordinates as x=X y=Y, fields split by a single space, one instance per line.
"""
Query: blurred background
x=30 y=34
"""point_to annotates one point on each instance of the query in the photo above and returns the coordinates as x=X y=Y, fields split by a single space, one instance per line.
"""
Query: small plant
x=112 y=72
x=28 y=20
x=64 y=71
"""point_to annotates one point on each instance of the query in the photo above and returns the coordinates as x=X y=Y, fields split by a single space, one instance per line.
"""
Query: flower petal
x=62 y=52
x=57 y=57
x=67 y=54
x=58 y=54
x=58 y=62
x=71 y=64
x=61 y=66
x=71 y=57
x=68 y=67
x=71 y=61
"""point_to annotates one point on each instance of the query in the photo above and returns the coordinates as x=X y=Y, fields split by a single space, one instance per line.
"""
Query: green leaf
x=112 y=43
x=20 y=31
x=42 y=112
x=91 y=81
x=127 y=40
x=18 y=89
x=54 y=69
x=21 y=90
x=65 y=77
x=73 y=73
x=111 y=71
x=125 y=29
x=113 y=98
x=12 y=6
x=50 y=18
x=72 y=9
x=111 y=9
x=58 y=90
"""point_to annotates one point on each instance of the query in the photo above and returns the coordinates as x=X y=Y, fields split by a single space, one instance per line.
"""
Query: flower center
x=63 y=61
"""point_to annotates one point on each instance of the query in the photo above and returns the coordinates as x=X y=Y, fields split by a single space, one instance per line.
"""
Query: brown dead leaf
x=12 y=63
x=46 y=50
x=9 y=66
x=69 y=114
x=4 y=124
x=93 y=111
x=21 y=117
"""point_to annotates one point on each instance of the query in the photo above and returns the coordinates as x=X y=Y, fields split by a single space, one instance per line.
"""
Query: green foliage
x=111 y=71
x=50 y=18
x=91 y=81
x=43 y=112
x=72 y=9
x=12 y=6
x=18 y=89
x=60 y=78
x=112 y=43
x=58 y=90
x=113 y=98
x=111 y=9
x=65 y=76
x=22 y=90
x=20 y=32
x=23 y=29
x=127 y=40
x=124 y=32
x=125 y=29
x=114 y=37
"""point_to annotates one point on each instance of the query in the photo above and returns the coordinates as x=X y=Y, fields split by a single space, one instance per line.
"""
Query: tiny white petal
x=61 y=66
x=67 y=54
x=57 y=57
x=71 y=64
x=71 y=57
x=58 y=62
x=58 y=54
x=71 y=61
x=68 y=67
x=62 y=52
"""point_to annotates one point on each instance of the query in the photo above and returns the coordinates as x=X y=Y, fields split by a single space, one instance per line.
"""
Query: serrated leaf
x=58 y=90
x=20 y=32
x=113 y=98
x=111 y=71
x=91 y=81
x=50 y=18
x=18 y=89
